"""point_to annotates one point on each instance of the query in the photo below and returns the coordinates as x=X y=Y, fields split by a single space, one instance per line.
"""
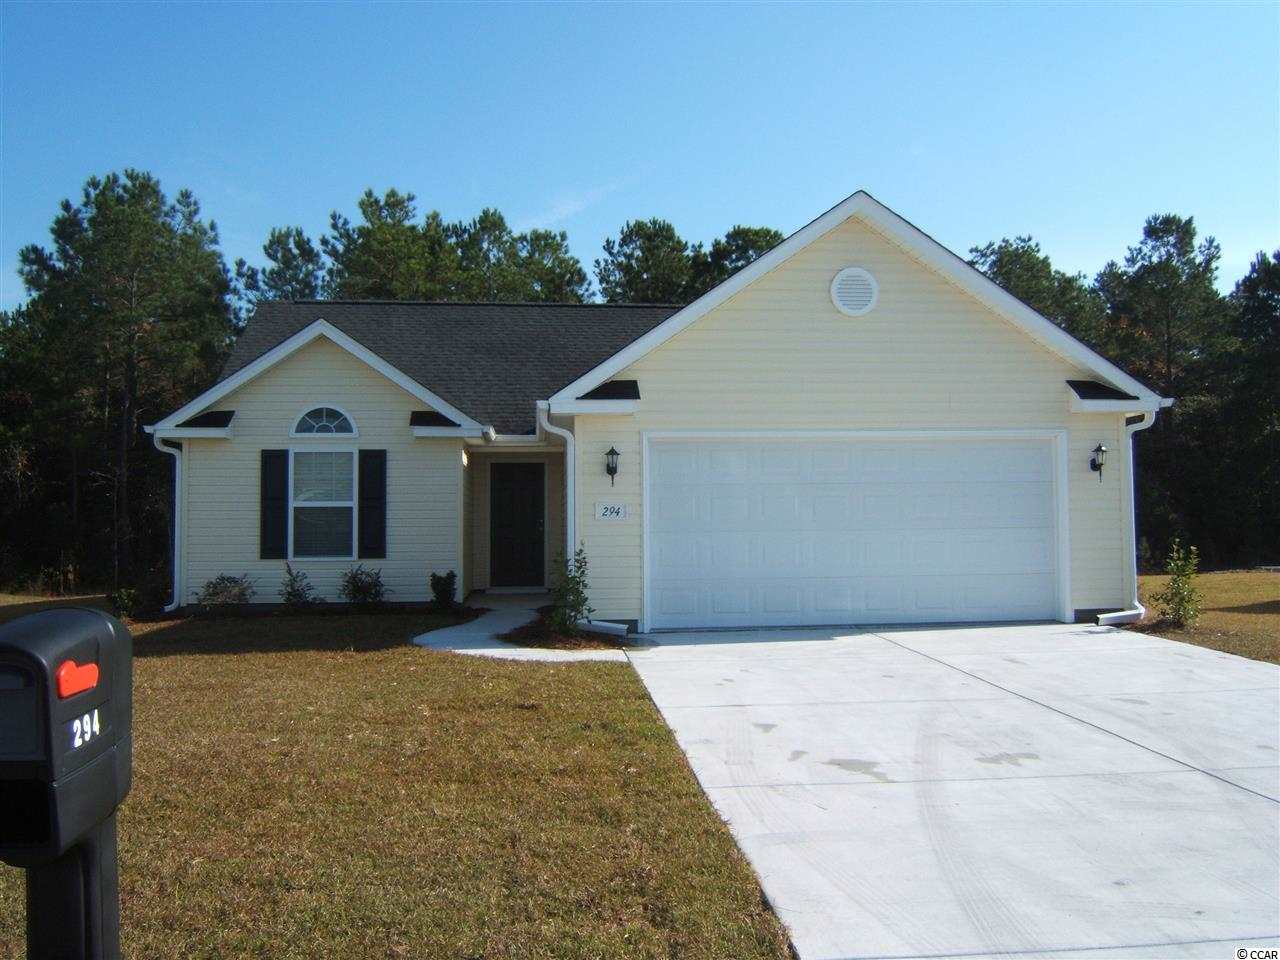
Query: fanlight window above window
x=324 y=420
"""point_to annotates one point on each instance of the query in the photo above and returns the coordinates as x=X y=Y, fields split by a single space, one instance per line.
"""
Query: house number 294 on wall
x=611 y=511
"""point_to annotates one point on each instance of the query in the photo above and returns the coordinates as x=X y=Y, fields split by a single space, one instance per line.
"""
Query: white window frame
x=355 y=494
x=293 y=427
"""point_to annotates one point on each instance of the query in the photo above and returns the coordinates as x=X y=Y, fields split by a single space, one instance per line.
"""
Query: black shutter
x=273 y=505
x=373 y=504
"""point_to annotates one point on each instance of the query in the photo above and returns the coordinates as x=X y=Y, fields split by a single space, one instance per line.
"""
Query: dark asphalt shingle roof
x=490 y=360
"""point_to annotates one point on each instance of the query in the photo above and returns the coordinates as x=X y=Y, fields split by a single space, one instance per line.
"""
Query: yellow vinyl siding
x=221 y=477
x=779 y=356
x=478 y=510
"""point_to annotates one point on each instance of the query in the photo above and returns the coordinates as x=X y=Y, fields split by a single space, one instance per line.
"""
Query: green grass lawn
x=1241 y=613
x=313 y=787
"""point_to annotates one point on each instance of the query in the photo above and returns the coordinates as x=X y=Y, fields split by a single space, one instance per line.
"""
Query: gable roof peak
x=920 y=245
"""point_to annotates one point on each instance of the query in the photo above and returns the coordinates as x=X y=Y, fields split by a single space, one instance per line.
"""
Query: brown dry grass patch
x=308 y=787
x=1241 y=613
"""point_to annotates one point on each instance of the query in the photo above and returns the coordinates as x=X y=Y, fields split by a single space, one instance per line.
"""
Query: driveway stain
x=853 y=765
x=1010 y=759
x=1134 y=700
x=765 y=727
x=797 y=754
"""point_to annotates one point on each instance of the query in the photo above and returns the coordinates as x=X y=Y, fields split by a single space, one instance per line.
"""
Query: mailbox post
x=66 y=759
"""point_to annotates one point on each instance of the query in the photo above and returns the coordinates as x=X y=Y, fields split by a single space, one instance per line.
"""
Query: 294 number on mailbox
x=85 y=728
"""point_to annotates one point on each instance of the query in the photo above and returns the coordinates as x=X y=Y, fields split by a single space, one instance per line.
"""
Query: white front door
x=775 y=532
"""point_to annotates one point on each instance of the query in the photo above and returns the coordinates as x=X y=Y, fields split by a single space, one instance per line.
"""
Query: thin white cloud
x=566 y=206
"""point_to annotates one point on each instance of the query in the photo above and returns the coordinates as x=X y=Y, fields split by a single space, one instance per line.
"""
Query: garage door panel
x=1005 y=552
x=834 y=598
x=732 y=508
x=674 y=553
x=673 y=507
x=832 y=462
x=789 y=532
x=676 y=601
x=730 y=600
x=728 y=462
x=780 y=505
x=730 y=552
x=674 y=464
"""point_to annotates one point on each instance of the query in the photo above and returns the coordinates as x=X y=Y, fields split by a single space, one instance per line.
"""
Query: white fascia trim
x=1076 y=405
x=318 y=328
x=448 y=431
x=575 y=407
x=911 y=238
x=188 y=433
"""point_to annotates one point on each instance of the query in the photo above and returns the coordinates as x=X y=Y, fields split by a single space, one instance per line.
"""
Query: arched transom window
x=324 y=421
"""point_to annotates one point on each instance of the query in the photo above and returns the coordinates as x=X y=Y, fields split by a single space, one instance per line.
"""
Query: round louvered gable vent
x=854 y=291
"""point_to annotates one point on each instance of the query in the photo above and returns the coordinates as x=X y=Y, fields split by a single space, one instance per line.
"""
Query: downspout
x=570 y=473
x=1136 y=610
x=176 y=453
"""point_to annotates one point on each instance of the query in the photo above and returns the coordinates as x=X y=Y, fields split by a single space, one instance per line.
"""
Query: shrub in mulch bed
x=540 y=633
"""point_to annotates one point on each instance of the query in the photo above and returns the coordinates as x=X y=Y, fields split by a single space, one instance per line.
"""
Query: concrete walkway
x=1011 y=790
x=507 y=611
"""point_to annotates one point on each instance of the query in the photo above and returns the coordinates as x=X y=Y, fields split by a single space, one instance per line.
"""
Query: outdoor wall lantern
x=1099 y=460
x=611 y=464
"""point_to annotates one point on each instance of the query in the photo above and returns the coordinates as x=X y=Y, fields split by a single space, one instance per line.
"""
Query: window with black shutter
x=273 y=505
x=373 y=504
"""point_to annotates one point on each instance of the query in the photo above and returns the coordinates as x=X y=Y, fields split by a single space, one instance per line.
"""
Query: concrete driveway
x=1018 y=790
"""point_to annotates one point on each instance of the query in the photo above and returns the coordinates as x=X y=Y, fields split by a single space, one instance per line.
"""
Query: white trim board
x=318 y=328
x=919 y=244
x=189 y=433
x=447 y=431
x=605 y=407
x=1076 y=405
x=1056 y=436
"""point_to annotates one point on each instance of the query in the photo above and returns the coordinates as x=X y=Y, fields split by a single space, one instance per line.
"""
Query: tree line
x=131 y=308
x=393 y=253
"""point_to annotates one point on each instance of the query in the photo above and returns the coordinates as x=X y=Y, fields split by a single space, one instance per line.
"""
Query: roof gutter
x=570 y=473
x=1136 y=610
x=176 y=453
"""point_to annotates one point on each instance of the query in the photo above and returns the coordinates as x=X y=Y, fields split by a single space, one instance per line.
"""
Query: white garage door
x=831 y=531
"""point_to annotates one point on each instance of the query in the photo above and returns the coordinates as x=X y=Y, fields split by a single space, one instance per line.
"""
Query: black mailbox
x=66 y=756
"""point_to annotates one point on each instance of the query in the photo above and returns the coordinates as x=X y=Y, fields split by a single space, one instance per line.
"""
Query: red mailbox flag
x=74 y=678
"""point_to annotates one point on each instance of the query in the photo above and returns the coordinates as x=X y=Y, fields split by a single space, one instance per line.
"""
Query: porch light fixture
x=1099 y=460
x=611 y=464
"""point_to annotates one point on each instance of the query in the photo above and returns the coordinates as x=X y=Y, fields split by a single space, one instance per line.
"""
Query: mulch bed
x=540 y=633
x=319 y=609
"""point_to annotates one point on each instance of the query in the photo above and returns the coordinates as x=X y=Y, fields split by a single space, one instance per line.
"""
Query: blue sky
x=1068 y=122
